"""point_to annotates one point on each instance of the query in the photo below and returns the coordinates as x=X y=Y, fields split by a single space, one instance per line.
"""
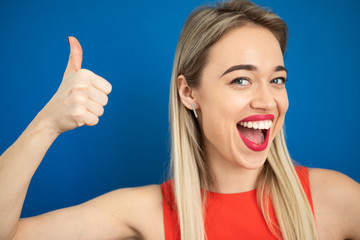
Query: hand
x=80 y=98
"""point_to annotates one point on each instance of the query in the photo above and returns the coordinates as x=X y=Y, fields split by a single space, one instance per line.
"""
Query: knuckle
x=96 y=121
x=80 y=87
x=109 y=88
x=79 y=124
x=106 y=100
x=81 y=84
x=78 y=113
x=78 y=98
x=84 y=72
x=101 y=111
x=98 y=111
x=84 y=75
x=93 y=121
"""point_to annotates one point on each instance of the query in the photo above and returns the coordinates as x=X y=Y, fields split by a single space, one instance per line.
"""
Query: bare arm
x=79 y=101
x=336 y=199
x=17 y=166
x=115 y=215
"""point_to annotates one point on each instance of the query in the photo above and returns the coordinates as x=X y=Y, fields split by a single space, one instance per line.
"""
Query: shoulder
x=333 y=184
x=134 y=202
x=130 y=197
x=137 y=194
x=138 y=208
x=336 y=199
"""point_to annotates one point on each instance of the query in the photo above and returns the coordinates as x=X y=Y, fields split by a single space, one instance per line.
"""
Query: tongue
x=254 y=135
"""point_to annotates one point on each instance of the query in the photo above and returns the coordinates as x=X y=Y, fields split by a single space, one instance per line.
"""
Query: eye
x=240 y=81
x=279 y=80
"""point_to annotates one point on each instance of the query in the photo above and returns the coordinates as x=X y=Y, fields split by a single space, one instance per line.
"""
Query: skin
x=257 y=91
x=136 y=213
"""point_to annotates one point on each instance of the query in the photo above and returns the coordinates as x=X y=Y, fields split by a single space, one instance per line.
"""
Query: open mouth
x=255 y=134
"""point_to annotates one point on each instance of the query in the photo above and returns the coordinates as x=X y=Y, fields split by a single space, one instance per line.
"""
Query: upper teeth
x=258 y=124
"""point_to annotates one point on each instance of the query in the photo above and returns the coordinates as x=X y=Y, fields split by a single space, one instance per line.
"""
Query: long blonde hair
x=278 y=180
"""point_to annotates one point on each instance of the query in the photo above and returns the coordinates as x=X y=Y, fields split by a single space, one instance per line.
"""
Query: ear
x=186 y=93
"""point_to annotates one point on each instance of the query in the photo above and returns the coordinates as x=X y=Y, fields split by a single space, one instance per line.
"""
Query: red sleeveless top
x=228 y=216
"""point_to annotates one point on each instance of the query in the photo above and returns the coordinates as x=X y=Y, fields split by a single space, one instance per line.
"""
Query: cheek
x=211 y=110
x=283 y=103
x=218 y=113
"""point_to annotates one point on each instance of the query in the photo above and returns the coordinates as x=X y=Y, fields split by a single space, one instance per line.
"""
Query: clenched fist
x=81 y=97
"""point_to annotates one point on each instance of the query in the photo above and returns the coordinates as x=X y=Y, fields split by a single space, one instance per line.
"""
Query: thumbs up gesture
x=81 y=97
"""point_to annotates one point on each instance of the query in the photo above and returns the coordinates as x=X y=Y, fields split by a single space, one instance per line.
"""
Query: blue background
x=132 y=44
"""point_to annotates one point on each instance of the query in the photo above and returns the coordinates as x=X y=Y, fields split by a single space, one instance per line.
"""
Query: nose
x=263 y=98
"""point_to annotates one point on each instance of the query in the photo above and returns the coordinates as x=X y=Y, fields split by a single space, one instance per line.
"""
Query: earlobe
x=186 y=93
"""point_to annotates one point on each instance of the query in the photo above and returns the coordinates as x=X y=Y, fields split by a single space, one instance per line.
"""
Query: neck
x=232 y=178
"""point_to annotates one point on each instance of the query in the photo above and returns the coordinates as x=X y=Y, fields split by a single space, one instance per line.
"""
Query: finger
x=75 y=58
x=101 y=84
x=94 y=108
x=98 y=96
x=91 y=119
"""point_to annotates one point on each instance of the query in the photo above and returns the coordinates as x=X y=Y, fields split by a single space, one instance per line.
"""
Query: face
x=242 y=88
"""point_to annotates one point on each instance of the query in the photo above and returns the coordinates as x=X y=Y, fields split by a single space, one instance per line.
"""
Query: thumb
x=75 y=58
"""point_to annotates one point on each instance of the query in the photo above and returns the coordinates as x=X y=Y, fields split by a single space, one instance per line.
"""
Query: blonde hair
x=278 y=180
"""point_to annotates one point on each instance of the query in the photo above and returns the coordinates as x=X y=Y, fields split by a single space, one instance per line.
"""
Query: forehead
x=246 y=45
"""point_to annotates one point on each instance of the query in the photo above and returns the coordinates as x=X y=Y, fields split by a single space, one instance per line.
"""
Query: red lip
x=258 y=118
x=253 y=146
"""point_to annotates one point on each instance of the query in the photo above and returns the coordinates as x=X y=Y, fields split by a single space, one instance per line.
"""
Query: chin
x=253 y=162
x=251 y=159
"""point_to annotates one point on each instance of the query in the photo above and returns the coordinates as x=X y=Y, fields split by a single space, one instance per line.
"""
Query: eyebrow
x=250 y=67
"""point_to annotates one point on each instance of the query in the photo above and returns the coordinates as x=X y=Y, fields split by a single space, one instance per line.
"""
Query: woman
x=227 y=104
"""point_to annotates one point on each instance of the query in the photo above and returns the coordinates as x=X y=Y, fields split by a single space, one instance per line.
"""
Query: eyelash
x=246 y=79
x=239 y=79
x=282 y=78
